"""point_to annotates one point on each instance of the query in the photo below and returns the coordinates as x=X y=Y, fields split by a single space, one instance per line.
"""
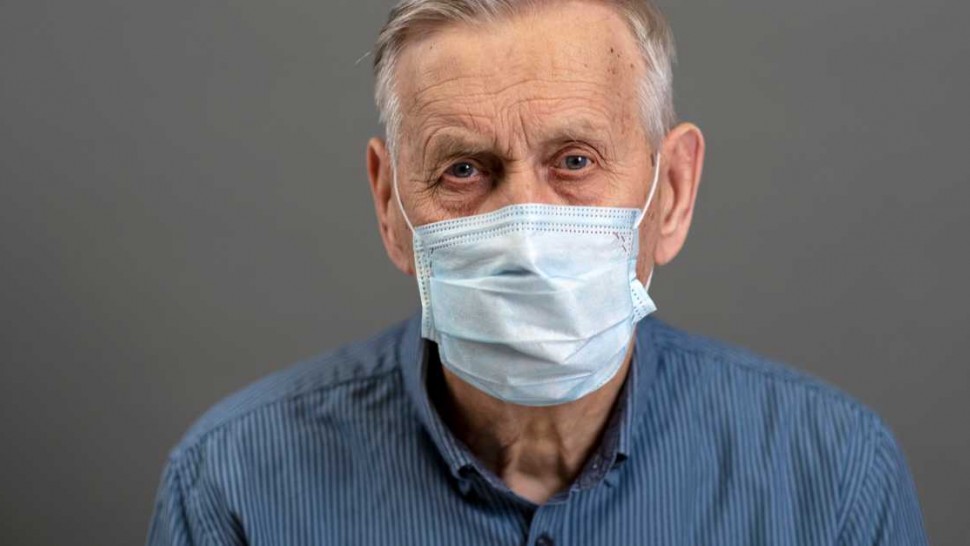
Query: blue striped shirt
x=706 y=445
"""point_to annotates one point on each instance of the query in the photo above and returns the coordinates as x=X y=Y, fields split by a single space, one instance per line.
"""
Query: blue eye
x=575 y=162
x=462 y=170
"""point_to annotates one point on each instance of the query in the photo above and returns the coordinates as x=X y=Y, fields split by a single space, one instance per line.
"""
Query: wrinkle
x=512 y=95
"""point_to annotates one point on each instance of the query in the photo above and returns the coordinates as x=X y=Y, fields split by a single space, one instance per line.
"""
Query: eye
x=462 y=169
x=575 y=162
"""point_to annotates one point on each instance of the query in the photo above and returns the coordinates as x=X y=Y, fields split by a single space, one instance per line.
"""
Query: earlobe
x=376 y=153
x=379 y=171
x=684 y=153
x=376 y=167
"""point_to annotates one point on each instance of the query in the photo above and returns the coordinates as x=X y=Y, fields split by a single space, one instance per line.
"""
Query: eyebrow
x=450 y=145
x=578 y=128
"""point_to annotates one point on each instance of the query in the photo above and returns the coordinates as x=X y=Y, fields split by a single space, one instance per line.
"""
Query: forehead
x=575 y=59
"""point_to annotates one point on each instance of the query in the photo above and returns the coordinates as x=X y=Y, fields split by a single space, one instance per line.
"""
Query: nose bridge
x=522 y=179
x=519 y=183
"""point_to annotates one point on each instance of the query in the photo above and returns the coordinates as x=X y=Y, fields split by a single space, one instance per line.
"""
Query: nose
x=522 y=184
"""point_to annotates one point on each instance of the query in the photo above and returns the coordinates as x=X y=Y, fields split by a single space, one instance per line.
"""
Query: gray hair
x=410 y=18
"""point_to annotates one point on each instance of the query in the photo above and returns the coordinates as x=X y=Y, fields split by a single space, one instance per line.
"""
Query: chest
x=660 y=499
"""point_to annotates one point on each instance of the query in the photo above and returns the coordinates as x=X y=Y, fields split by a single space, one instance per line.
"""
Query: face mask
x=533 y=304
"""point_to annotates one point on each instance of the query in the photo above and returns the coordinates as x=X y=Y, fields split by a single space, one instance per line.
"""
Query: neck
x=536 y=451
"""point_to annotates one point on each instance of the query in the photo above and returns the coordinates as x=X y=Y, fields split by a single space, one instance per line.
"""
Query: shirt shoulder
x=733 y=371
x=734 y=391
x=374 y=359
x=832 y=456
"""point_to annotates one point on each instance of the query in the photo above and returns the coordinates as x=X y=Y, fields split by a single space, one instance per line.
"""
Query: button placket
x=545 y=525
x=545 y=540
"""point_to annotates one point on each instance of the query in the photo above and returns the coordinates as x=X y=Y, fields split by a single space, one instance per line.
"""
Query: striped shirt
x=706 y=445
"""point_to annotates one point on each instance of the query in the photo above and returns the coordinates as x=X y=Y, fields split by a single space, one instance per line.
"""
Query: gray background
x=183 y=208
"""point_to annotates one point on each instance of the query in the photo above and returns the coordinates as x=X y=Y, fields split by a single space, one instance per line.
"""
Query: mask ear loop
x=653 y=189
x=643 y=213
x=400 y=205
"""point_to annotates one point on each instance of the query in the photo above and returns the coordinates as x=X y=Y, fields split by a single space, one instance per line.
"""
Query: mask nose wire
x=397 y=197
x=653 y=189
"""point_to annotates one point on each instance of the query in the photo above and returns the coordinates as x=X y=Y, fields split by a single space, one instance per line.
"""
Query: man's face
x=541 y=108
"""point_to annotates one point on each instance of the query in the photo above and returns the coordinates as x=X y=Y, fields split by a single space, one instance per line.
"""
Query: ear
x=681 y=166
x=394 y=231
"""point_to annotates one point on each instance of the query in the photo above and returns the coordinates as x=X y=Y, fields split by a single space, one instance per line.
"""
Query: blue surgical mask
x=533 y=304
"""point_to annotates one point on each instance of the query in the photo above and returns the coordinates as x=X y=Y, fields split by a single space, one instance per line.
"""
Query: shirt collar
x=617 y=440
x=642 y=376
x=414 y=368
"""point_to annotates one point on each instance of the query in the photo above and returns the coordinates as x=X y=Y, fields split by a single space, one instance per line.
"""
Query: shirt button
x=545 y=540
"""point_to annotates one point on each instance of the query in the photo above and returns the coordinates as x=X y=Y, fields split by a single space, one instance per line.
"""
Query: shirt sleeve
x=884 y=510
x=185 y=514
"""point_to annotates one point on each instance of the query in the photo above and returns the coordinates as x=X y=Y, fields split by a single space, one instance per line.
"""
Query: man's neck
x=536 y=451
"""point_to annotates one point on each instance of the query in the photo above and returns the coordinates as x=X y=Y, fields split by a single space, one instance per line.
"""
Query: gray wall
x=183 y=208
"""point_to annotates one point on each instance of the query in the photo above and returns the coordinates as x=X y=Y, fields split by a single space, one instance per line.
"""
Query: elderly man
x=531 y=180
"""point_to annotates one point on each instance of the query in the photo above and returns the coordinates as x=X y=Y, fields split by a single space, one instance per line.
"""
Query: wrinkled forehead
x=573 y=60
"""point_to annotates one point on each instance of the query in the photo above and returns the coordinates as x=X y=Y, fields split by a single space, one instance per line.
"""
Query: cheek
x=405 y=250
x=454 y=199
x=628 y=186
x=400 y=238
x=648 y=242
